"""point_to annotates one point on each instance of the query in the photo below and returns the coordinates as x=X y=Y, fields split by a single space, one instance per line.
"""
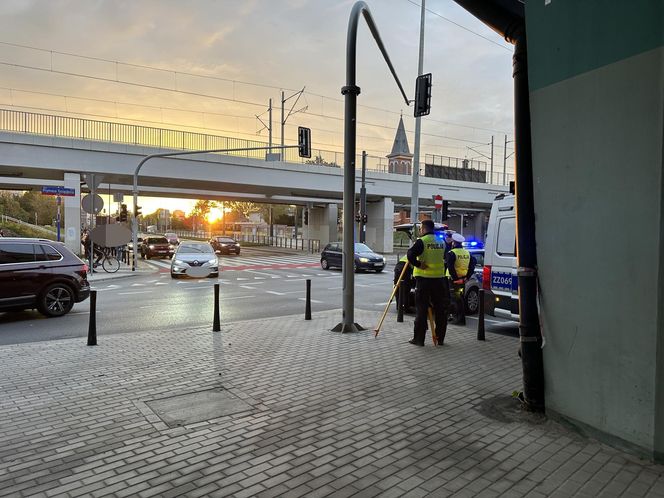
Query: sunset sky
x=212 y=65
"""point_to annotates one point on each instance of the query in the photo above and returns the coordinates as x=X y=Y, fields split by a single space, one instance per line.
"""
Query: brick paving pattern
x=325 y=415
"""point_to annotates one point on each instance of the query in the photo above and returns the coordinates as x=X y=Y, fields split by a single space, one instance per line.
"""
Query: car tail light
x=486 y=277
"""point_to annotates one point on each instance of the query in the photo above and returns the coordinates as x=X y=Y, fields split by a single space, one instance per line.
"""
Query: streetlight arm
x=351 y=44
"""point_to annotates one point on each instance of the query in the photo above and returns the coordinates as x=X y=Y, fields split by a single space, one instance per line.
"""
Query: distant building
x=400 y=160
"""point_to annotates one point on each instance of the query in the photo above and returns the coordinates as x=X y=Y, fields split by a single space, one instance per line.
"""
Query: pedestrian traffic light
x=304 y=141
x=137 y=210
x=123 y=212
x=445 y=213
x=357 y=217
x=423 y=95
x=364 y=218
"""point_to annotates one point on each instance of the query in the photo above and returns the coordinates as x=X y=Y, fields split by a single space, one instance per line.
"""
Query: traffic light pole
x=134 y=234
x=350 y=92
x=363 y=200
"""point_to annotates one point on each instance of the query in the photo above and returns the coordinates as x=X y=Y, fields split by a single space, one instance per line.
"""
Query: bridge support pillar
x=380 y=223
x=72 y=211
x=322 y=224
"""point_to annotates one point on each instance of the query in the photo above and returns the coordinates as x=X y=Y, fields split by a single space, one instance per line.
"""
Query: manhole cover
x=195 y=407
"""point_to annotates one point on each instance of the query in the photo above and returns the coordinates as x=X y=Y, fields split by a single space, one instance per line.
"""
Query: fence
x=309 y=245
x=161 y=138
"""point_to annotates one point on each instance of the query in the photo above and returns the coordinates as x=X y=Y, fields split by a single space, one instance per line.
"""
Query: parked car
x=41 y=274
x=365 y=258
x=195 y=259
x=225 y=245
x=130 y=244
x=156 y=247
x=172 y=238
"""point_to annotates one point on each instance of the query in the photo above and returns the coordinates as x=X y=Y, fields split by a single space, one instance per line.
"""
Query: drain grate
x=200 y=406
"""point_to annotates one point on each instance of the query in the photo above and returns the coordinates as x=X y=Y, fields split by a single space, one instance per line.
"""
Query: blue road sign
x=57 y=190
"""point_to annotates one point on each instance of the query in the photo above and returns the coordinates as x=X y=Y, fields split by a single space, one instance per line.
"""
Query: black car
x=42 y=274
x=365 y=258
x=225 y=245
x=156 y=247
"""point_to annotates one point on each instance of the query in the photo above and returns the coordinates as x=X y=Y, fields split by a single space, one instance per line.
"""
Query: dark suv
x=156 y=247
x=225 y=245
x=42 y=274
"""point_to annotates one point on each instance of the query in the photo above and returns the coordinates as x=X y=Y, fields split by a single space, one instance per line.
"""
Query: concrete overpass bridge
x=39 y=149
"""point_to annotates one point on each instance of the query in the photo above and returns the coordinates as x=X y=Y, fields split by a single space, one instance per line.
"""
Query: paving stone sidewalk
x=308 y=413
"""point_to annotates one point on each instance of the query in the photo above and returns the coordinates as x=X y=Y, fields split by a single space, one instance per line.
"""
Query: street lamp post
x=350 y=92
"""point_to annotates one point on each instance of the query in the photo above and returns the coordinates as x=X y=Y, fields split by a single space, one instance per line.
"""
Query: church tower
x=400 y=160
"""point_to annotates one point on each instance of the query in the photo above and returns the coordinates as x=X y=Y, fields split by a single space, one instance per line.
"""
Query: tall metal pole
x=363 y=199
x=283 y=122
x=491 y=181
x=351 y=91
x=415 y=190
x=270 y=128
x=505 y=159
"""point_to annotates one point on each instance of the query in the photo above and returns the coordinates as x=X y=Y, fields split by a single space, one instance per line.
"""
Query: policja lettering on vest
x=427 y=255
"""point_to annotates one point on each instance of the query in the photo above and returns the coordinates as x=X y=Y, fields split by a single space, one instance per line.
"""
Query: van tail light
x=83 y=272
x=486 y=277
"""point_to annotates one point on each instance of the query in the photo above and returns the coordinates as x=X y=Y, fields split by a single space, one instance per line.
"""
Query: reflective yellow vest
x=461 y=263
x=433 y=256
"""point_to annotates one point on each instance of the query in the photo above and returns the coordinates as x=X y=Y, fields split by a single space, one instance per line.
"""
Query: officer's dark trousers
x=435 y=293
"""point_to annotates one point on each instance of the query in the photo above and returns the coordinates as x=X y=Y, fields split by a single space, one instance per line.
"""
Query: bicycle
x=108 y=262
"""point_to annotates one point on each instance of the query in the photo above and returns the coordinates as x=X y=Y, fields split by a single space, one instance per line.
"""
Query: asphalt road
x=256 y=284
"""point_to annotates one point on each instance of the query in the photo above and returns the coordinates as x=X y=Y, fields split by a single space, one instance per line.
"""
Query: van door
x=504 y=280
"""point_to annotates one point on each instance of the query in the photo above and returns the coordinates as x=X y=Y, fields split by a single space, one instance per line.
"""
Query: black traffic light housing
x=304 y=141
x=445 y=211
x=306 y=216
x=357 y=217
x=365 y=218
x=123 y=212
x=137 y=210
x=422 y=95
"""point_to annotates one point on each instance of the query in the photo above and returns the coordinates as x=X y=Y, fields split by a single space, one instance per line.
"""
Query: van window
x=506 y=245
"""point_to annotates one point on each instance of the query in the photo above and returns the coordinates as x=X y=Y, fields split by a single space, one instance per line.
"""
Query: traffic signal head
x=445 y=212
x=422 y=95
x=365 y=218
x=357 y=217
x=306 y=216
x=137 y=210
x=304 y=141
x=123 y=212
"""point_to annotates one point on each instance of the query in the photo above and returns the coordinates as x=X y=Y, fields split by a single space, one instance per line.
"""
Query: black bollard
x=307 y=308
x=401 y=304
x=216 y=324
x=92 y=327
x=480 y=318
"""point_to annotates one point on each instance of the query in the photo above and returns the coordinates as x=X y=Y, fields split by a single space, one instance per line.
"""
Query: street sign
x=91 y=204
x=118 y=197
x=438 y=201
x=57 y=190
x=93 y=180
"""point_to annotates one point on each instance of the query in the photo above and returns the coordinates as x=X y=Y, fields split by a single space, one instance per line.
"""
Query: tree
x=242 y=207
x=10 y=206
x=202 y=208
x=319 y=160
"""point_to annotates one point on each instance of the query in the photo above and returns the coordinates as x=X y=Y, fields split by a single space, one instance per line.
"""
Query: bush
x=17 y=230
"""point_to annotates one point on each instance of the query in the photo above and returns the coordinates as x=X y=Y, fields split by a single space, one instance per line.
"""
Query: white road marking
x=248 y=287
x=312 y=300
x=135 y=292
x=138 y=285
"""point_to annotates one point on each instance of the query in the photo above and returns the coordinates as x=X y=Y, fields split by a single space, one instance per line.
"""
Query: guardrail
x=163 y=138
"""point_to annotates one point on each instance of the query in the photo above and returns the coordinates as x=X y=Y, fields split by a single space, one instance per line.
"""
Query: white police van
x=499 y=275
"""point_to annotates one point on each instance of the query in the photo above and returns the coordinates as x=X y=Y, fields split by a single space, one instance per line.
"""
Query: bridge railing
x=161 y=138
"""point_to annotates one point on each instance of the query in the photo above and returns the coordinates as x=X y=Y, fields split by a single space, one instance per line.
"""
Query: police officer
x=460 y=265
x=427 y=255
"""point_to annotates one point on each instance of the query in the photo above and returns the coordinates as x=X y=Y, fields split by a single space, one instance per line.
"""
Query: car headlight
x=171 y=246
x=151 y=247
x=237 y=245
x=222 y=244
x=383 y=259
x=213 y=261
x=178 y=262
x=364 y=260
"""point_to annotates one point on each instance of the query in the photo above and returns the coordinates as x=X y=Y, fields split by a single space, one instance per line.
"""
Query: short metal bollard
x=92 y=325
x=216 y=323
x=401 y=303
x=307 y=307
x=480 y=318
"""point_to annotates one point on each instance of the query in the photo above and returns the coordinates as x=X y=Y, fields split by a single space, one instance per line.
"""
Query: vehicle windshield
x=157 y=240
x=225 y=240
x=362 y=248
x=195 y=248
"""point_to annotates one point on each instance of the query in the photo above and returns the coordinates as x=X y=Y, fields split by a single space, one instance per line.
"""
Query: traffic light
x=306 y=216
x=365 y=218
x=465 y=223
x=357 y=217
x=123 y=212
x=422 y=95
x=137 y=210
x=304 y=141
x=445 y=213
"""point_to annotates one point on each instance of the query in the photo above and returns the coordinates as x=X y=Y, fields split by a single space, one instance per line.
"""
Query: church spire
x=400 y=147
